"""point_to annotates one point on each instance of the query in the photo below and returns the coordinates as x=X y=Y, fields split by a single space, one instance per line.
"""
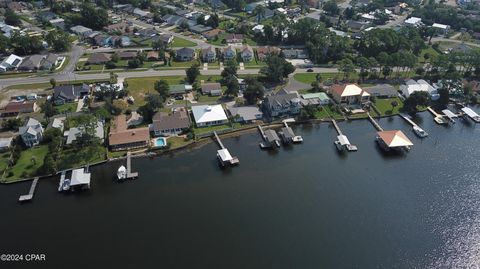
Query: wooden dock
x=334 y=122
x=407 y=119
x=130 y=174
x=223 y=154
x=29 y=196
x=62 y=180
x=375 y=123
x=437 y=117
x=260 y=129
x=342 y=142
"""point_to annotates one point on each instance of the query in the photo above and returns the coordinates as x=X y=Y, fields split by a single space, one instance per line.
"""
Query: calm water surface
x=304 y=206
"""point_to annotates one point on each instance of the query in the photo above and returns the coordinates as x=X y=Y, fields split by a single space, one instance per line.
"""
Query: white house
x=209 y=115
x=10 y=63
x=413 y=21
x=31 y=132
x=441 y=28
x=421 y=85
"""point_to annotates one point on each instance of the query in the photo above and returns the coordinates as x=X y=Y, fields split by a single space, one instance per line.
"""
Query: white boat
x=122 y=172
x=419 y=132
x=297 y=139
x=66 y=185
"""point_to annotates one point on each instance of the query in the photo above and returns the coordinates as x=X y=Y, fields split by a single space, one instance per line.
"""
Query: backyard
x=180 y=42
x=385 y=106
x=28 y=163
x=73 y=157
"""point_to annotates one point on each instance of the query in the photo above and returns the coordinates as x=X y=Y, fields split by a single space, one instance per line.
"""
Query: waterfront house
x=283 y=103
x=76 y=132
x=31 y=132
x=229 y=53
x=185 y=55
x=209 y=54
x=349 y=94
x=122 y=138
x=99 y=58
x=420 y=85
x=382 y=91
x=317 y=98
x=245 y=114
x=10 y=63
x=212 y=89
x=168 y=124
x=209 y=115
x=247 y=53
x=69 y=93
x=263 y=52
x=15 y=108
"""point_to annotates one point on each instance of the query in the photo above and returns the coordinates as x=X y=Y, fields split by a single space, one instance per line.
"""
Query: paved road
x=442 y=39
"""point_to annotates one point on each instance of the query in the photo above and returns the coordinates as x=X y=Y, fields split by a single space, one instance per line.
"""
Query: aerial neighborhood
x=85 y=82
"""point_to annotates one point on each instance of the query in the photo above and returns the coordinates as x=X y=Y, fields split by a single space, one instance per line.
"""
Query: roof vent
x=208 y=108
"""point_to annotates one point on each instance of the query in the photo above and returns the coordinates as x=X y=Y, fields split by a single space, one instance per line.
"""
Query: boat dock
x=440 y=119
x=472 y=114
x=223 y=154
x=130 y=174
x=29 y=196
x=375 y=123
x=342 y=141
x=270 y=137
x=62 y=181
x=450 y=115
x=287 y=133
x=416 y=129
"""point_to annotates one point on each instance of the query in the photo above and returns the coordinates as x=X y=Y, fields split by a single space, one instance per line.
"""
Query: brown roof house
x=15 y=108
x=263 y=52
x=152 y=55
x=349 y=94
x=165 y=124
x=99 y=58
x=234 y=38
x=209 y=54
x=127 y=55
x=212 y=89
x=121 y=138
x=211 y=34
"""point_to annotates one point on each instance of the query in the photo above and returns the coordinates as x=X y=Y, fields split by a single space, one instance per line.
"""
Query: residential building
x=283 y=103
x=117 y=27
x=37 y=62
x=57 y=123
x=185 y=55
x=382 y=91
x=212 y=89
x=245 y=114
x=69 y=93
x=442 y=29
x=295 y=53
x=229 y=53
x=76 y=132
x=234 y=38
x=152 y=55
x=349 y=94
x=99 y=58
x=31 y=132
x=122 y=138
x=247 y=53
x=209 y=54
x=10 y=63
x=59 y=23
x=175 y=123
x=211 y=34
x=420 y=85
x=209 y=115
x=317 y=98
x=15 y=108
x=81 y=31
x=198 y=29
x=127 y=55
x=263 y=52
x=413 y=22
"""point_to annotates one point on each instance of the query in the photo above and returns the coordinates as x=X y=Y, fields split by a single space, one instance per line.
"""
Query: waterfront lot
x=384 y=105
x=28 y=163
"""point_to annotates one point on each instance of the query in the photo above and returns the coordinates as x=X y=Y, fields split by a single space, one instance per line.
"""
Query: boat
x=419 y=132
x=122 y=173
x=297 y=139
x=66 y=185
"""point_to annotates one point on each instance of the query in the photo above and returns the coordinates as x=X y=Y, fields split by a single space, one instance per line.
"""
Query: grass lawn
x=180 y=42
x=308 y=78
x=185 y=64
x=71 y=158
x=429 y=50
x=4 y=157
x=67 y=107
x=177 y=141
x=218 y=41
x=385 y=106
x=25 y=167
x=325 y=112
x=208 y=129
x=140 y=87
x=207 y=98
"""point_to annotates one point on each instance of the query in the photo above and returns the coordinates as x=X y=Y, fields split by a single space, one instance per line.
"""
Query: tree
x=4 y=44
x=277 y=68
x=11 y=18
x=394 y=104
x=331 y=7
x=53 y=82
x=444 y=97
x=364 y=65
x=347 y=67
x=58 y=40
x=162 y=87
x=232 y=86
x=192 y=73
x=419 y=98
x=11 y=124
x=259 y=11
x=48 y=109
x=201 y=19
x=254 y=91
x=213 y=21
x=230 y=69
x=308 y=112
x=49 y=165
x=154 y=102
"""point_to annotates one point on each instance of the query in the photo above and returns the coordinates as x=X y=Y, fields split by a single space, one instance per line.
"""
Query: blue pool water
x=160 y=142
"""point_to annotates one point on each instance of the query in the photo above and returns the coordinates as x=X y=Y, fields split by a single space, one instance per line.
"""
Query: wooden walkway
x=29 y=196
x=407 y=119
x=334 y=122
x=218 y=140
x=130 y=174
x=375 y=123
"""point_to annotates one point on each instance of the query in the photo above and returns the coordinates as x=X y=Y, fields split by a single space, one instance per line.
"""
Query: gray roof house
x=37 y=62
x=69 y=93
x=81 y=31
x=76 y=132
x=170 y=124
x=382 y=90
x=209 y=54
x=31 y=132
x=185 y=55
x=282 y=103
x=245 y=114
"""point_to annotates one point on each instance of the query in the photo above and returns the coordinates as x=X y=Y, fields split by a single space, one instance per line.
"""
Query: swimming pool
x=160 y=142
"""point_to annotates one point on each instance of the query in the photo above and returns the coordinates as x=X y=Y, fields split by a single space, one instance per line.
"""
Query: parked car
x=309 y=70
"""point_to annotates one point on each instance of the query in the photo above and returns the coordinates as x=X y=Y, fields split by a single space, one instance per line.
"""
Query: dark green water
x=302 y=207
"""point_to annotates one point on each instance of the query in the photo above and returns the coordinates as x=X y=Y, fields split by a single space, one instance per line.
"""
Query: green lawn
x=4 y=157
x=25 y=166
x=385 y=106
x=176 y=142
x=180 y=42
x=430 y=51
x=71 y=158
x=203 y=130
x=67 y=107
x=141 y=87
x=308 y=78
x=207 y=98
x=185 y=64
x=324 y=112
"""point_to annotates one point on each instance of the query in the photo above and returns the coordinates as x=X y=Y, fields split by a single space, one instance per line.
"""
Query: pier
x=416 y=129
x=29 y=196
x=270 y=137
x=130 y=174
x=223 y=154
x=450 y=115
x=472 y=114
x=375 y=123
x=342 y=141
x=287 y=134
x=437 y=117
x=62 y=184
